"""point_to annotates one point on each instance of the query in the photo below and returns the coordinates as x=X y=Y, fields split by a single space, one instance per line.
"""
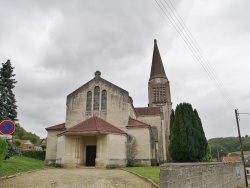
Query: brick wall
x=202 y=175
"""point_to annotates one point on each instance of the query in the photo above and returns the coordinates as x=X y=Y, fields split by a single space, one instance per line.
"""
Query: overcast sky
x=56 y=46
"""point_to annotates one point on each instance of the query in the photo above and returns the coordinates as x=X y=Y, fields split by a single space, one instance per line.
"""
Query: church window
x=96 y=98
x=89 y=101
x=104 y=100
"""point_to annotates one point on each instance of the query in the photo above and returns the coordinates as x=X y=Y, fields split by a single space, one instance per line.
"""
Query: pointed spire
x=157 y=69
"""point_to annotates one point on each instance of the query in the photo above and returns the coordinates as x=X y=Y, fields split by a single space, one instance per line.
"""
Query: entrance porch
x=92 y=149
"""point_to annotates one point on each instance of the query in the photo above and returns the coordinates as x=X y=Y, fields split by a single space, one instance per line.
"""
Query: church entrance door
x=90 y=155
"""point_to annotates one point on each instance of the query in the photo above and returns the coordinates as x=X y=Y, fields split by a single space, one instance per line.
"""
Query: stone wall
x=139 y=148
x=51 y=149
x=117 y=107
x=202 y=175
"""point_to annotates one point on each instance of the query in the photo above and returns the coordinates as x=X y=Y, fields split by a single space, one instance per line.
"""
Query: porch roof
x=135 y=123
x=94 y=124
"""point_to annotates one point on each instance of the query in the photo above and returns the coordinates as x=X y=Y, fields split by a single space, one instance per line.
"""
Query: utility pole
x=218 y=154
x=242 y=155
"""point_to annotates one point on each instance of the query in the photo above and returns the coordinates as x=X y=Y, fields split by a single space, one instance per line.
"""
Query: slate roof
x=232 y=159
x=135 y=123
x=95 y=124
x=59 y=127
x=157 y=68
x=146 y=111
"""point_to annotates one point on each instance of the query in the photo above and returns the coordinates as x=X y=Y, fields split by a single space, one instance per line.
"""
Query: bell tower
x=159 y=96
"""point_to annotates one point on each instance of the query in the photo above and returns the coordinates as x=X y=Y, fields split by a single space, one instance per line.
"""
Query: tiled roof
x=135 y=123
x=57 y=127
x=146 y=111
x=95 y=124
x=25 y=142
x=232 y=159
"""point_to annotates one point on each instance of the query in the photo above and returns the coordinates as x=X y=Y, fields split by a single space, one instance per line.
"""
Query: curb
x=19 y=174
x=144 y=178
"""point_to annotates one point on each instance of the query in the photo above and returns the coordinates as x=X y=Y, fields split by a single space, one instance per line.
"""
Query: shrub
x=11 y=150
x=3 y=150
x=17 y=142
x=34 y=154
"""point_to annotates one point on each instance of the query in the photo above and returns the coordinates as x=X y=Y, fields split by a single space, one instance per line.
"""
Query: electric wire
x=194 y=50
x=194 y=42
x=181 y=28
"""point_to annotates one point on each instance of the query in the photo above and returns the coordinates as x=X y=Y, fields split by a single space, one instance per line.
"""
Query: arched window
x=89 y=101
x=96 y=98
x=104 y=100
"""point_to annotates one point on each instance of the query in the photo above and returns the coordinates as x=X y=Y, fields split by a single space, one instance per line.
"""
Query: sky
x=56 y=46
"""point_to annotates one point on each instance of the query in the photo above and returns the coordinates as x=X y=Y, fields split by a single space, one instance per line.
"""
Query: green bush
x=34 y=154
x=3 y=150
x=12 y=150
x=234 y=154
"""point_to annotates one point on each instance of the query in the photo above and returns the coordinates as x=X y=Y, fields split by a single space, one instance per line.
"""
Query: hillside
x=21 y=134
x=227 y=145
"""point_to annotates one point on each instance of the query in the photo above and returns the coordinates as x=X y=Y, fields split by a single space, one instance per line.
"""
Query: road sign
x=7 y=127
x=6 y=136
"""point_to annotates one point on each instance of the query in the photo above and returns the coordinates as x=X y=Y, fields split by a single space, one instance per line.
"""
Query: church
x=103 y=129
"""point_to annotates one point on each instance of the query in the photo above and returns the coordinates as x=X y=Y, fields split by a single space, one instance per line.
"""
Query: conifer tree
x=8 y=107
x=187 y=139
x=201 y=138
x=171 y=121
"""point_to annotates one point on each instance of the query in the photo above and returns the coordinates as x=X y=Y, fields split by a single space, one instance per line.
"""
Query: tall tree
x=201 y=138
x=8 y=107
x=187 y=139
x=171 y=121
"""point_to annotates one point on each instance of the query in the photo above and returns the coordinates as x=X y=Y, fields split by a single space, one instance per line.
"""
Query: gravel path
x=89 y=178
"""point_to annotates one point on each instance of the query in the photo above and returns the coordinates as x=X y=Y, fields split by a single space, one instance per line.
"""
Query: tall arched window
x=104 y=100
x=89 y=101
x=96 y=98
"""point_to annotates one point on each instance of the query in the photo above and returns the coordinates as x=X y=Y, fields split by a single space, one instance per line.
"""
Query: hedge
x=33 y=154
x=3 y=150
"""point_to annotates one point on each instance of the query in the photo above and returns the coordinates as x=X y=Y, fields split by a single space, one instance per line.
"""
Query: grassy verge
x=151 y=172
x=17 y=164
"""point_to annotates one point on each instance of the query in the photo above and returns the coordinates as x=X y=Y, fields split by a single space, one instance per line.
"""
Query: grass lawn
x=17 y=164
x=151 y=172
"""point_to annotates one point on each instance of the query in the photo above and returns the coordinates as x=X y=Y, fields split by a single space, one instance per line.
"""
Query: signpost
x=7 y=127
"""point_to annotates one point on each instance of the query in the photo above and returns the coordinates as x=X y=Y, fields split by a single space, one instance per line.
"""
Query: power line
x=245 y=113
x=178 y=24
x=210 y=68
x=194 y=50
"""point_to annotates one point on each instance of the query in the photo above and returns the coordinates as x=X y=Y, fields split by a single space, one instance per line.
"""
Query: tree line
x=228 y=145
x=21 y=134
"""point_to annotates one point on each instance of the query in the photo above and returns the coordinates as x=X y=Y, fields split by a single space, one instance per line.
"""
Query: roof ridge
x=96 y=124
x=136 y=122
x=58 y=126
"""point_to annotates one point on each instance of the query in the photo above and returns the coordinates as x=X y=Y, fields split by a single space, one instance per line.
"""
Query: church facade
x=105 y=130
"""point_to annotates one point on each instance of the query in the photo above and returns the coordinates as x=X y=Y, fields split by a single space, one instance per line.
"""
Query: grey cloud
x=56 y=46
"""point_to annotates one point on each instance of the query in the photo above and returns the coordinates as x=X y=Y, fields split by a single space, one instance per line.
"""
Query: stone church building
x=105 y=130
